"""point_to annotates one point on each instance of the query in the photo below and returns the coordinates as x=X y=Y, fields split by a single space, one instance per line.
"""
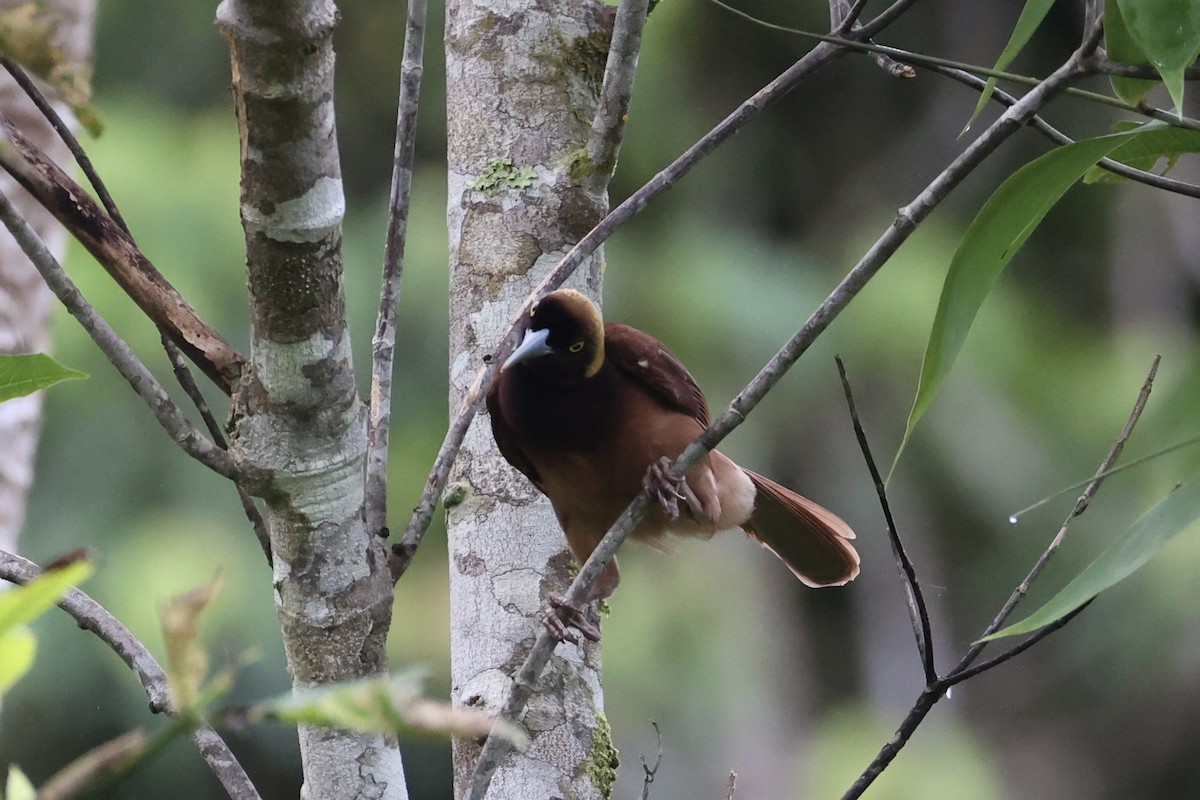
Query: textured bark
x=522 y=82
x=300 y=426
x=25 y=302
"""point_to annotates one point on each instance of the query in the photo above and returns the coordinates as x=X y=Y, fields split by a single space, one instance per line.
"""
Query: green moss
x=580 y=166
x=603 y=760
x=500 y=174
x=455 y=493
x=586 y=57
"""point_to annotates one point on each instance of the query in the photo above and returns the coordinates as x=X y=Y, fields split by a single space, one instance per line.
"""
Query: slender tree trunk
x=25 y=302
x=522 y=82
x=300 y=426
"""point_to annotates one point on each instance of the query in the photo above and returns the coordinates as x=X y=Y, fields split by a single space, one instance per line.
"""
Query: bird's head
x=564 y=340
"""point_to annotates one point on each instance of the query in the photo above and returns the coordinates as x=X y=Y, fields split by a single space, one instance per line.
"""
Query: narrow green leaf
x=1168 y=32
x=390 y=704
x=1002 y=226
x=1174 y=514
x=22 y=375
x=17 y=650
x=1144 y=152
x=23 y=604
x=1027 y=24
x=18 y=786
x=1122 y=47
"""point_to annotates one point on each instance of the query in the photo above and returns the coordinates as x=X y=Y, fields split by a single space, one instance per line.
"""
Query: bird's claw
x=559 y=615
x=668 y=489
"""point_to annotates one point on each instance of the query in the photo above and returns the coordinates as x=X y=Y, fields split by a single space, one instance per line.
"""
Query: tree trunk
x=300 y=426
x=522 y=83
x=25 y=302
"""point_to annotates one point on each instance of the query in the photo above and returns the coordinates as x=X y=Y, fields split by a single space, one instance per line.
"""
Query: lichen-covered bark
x=522 y=81
x=25 y=302
x=300 y=426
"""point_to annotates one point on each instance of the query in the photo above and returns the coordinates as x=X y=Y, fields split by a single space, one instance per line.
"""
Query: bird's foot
x=559 y=615
x=669 y=489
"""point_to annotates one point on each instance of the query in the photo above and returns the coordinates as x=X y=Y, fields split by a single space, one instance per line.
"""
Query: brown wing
x=649 y=363
x=506 y=438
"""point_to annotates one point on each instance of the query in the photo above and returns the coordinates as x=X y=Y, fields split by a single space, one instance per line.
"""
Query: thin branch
x=917 y=611
x=843 y=19
x=166 y=413
x=119 y=255
x=383 y=347
x=1081 y=505
x=1107 y=66
x=608 y=126
x=818 y=57
x=731 y=786
x=101 y=760
x=907 y=220
x=933 y=692
x=91 y=616
x=651 y=772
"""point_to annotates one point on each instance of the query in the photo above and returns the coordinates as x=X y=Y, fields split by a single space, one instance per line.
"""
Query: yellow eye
x=575 y=348
x=533 y=309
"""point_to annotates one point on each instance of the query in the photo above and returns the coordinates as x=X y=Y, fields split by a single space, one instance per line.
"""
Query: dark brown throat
x=550 y=414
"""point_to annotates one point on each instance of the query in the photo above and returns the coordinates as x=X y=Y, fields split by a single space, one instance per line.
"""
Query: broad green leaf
x=17 y=650
x=1145 y=152
x=390 y=704
x=23 y=604
x=1175 y=513
x=22 y=375
x=1121 y=47
x=1004 y=223
x=187 y=663
x=1168 y=32
x=1027 y=24
x=18 y=786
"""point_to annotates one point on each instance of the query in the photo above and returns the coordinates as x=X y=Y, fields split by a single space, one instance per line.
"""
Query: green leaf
x=1004 y=223
x=23 y=604
x=1027 y=24
x=1175 y=513
x=17 y=650
x=1145 y=152
x=1122 y=47
x=1168 y=32
x=18 y=786
x=22 y=375
x=390 y=704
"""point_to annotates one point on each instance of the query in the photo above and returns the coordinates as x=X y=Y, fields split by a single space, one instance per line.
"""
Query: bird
x=592 y=413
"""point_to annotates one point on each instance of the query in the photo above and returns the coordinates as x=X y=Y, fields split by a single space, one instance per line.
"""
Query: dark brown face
x=564 y=340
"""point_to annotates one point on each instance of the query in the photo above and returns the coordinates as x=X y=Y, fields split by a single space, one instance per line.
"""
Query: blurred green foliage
x=742 y=668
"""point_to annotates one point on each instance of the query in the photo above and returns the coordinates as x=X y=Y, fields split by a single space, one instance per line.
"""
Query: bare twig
x=608 y=126
x=933 y=692
x=917 y=611
x=383 y=346
x=91 y=616
x=843 y=19
x=119 y=255
x=166 y=413
x=907 y=219
x=473 y=399
x=651 y=772
x=731 y=787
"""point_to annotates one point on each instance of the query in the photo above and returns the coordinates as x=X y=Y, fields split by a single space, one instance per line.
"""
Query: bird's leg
x=559 y=615
x=669 y=489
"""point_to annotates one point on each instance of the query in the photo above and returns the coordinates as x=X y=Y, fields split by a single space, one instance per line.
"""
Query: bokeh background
x=741 y=667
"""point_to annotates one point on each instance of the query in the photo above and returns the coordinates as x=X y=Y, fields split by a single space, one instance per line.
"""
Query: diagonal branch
x=818 y=57
x=120 y=256
x=166 y=413
x=383 y=347
x=918 y=612
x=91 y=616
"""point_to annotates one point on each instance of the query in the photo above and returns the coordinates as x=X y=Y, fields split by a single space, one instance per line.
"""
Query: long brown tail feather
x=811 y=540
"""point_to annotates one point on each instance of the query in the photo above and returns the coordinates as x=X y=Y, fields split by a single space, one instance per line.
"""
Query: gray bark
x=522 y=83
x=25 y=302
x=300 y=426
